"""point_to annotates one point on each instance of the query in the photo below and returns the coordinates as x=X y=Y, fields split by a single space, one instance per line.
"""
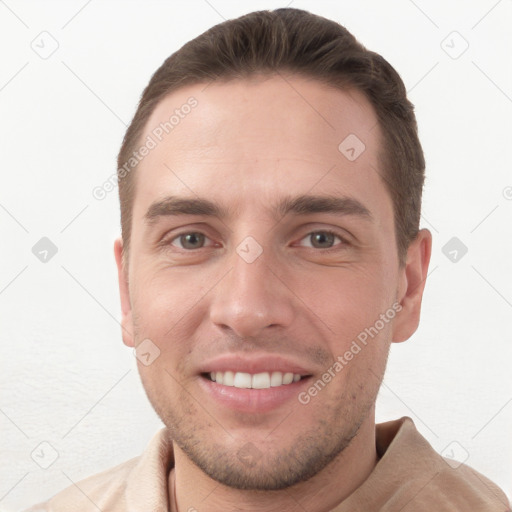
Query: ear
x=412 y=283
x=124 y=291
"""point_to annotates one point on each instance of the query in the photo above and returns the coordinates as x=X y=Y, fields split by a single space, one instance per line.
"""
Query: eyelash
x=327 y=231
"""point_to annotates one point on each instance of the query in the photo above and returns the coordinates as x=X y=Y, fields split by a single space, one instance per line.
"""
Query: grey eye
x=191 y=240
x=322 y=239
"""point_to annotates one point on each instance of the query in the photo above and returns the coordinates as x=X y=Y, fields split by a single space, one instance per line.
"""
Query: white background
x=66 y=377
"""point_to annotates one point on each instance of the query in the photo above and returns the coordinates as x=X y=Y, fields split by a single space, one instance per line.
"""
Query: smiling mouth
x=264 y=380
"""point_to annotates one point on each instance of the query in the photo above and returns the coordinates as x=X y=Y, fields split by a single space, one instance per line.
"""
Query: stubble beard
x=270 y=468
x=275 y=468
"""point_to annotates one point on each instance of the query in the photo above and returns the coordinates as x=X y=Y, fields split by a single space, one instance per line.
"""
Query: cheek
x=170 y=306
x=348 y=300
x=166 y=296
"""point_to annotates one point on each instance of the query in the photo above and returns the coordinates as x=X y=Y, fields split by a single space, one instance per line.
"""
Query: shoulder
x=463 y=488
x=412 y=476
x=137 y=484
x=457 y=489
x=450 y=485
x=101 y=491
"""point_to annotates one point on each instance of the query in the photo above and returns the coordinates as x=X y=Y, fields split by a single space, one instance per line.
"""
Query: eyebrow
x=299 y=205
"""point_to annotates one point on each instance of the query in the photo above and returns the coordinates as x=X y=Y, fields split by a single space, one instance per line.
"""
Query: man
x=270 y=187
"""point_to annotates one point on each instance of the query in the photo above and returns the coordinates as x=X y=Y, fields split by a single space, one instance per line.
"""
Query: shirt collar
x=147 y=486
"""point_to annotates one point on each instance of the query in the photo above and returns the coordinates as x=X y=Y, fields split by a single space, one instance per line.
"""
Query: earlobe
x=413 y=278
x=124 y=292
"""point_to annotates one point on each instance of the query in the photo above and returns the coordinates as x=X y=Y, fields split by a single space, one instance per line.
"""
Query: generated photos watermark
x=151 y=142
x=305 y=397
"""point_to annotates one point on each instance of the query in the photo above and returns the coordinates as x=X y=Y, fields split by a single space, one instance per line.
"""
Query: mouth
x=253 y=393
x=253 y=383
x=261 y=380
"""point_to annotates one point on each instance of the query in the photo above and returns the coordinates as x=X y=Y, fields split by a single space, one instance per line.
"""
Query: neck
x=197 y=491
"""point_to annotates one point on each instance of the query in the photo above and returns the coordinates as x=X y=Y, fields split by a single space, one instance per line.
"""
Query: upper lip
x=253 y=364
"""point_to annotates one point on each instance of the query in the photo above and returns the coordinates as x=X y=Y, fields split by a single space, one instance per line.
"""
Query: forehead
x=250 y=140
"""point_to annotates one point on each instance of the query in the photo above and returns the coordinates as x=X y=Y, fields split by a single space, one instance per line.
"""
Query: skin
x=248 y=144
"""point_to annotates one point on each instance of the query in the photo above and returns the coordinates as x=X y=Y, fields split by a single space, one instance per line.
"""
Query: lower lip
x=252 y=400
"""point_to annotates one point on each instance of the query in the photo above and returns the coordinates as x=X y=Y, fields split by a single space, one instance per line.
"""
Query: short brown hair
x=297 y=41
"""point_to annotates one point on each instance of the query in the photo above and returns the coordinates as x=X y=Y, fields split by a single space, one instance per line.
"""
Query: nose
x=251 y=297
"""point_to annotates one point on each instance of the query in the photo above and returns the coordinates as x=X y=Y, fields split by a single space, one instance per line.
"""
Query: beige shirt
x=409 y=477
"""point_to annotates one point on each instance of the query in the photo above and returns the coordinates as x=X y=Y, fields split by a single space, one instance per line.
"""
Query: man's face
x=256 y=290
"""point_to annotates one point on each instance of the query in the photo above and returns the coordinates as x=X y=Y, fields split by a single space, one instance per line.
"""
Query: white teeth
x=242 y=380
x=262 y=380
x=276 y=379
x=229 y=379
x=287 y=378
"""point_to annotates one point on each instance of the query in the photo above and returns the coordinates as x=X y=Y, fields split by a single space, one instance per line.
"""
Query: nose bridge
x=250 y=297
